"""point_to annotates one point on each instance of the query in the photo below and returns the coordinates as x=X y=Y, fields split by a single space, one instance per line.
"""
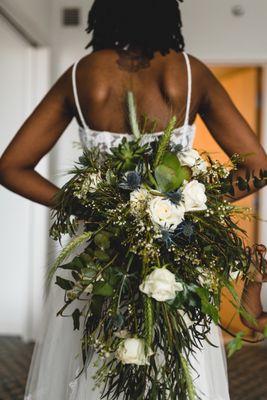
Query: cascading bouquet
x=159 y=243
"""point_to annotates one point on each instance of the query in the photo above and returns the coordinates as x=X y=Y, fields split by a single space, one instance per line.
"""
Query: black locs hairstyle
x=152 y=25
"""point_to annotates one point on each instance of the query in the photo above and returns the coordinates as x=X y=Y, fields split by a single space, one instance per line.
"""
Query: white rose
x=194 y=196
x=166 y=214
x=132 y=351
x=138 y=199
x=188 y=321
x=161 y=285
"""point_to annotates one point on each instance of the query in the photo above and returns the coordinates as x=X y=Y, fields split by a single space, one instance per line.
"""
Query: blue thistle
x=187 y=229
x=130 y=181
x=175 y=197
x=177 y=148
x=167 y=238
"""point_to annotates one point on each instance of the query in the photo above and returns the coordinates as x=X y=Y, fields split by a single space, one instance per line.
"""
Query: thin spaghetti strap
x=76 y=96
x=189 y=93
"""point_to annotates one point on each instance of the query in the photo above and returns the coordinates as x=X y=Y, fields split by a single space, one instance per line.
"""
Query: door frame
x=263 y=193
x=262 y=64
x=39 y=77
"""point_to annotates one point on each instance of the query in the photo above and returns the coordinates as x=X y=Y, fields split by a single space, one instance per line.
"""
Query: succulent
x=127 y=154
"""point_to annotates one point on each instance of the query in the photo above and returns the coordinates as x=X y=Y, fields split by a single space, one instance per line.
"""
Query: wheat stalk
x=66 y=252
x=164 y=141
x=132 y=115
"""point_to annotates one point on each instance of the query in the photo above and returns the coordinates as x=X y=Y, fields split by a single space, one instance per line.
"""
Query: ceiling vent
x=71 y=16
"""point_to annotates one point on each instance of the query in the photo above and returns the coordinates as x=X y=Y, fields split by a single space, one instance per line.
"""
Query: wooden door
x=242 y=84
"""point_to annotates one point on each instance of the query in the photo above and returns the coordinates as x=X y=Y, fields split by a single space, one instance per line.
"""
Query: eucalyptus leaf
x=102 y=240
x=103 y=289
x=242 y=184
x=76 y=264
x=167 y=179
x=235 y=345
x=76 y=319
x=64 y=283
x=86 y=259
x=101 y=255
x=206 y=306
x=96 y=305
x=171 y=160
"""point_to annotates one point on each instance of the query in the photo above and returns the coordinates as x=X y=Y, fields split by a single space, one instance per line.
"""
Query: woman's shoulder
x=199 y=67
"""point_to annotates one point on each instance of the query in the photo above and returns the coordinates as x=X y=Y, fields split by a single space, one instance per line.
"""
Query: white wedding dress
x=57 y=360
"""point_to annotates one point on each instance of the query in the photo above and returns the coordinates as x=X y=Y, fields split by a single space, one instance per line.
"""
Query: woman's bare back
x=160 y=87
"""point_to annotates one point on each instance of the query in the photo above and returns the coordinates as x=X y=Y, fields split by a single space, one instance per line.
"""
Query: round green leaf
x=102 y=289
x=171 y=160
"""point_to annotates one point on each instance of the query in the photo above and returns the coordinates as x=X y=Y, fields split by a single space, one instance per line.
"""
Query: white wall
x=33 y=15
x=214 y=34
x=23 y=79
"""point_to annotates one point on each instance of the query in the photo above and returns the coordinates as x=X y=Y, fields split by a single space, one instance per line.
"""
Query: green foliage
x=164 y=141
x=121 y=245
x=64 y=283
x=170 y=174
x=190 y=386
x=66 y=252
x=103 y=289
x=126 y=156
x=236 y=344
x=167 y=179
x=76 y=319
x=206 y=306
x=149 y=321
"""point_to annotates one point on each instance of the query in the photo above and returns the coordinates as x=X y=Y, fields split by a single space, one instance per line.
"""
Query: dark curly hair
x=152 y=25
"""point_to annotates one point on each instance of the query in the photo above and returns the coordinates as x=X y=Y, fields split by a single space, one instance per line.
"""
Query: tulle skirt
x=57 y=362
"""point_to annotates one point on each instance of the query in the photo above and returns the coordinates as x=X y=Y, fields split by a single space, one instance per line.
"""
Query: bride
x=138 y=46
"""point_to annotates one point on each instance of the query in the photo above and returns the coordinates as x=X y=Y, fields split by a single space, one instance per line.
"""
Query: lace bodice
x=105 y=140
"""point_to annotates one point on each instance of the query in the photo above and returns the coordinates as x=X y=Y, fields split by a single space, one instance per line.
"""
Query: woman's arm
x=33 y=141
x=229 y=128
